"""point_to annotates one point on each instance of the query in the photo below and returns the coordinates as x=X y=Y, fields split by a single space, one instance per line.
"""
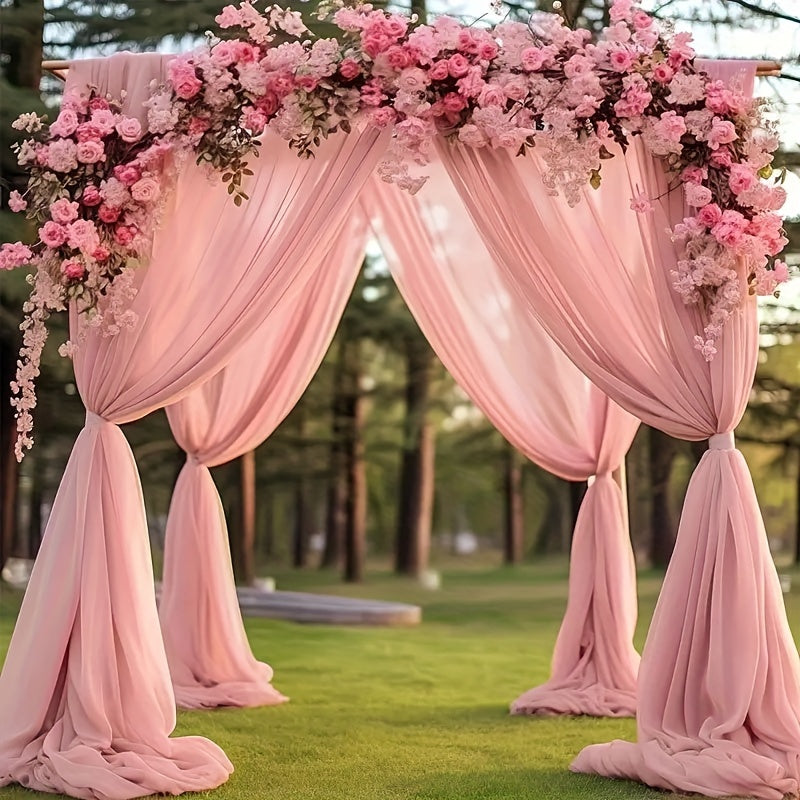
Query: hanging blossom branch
x=97 y=176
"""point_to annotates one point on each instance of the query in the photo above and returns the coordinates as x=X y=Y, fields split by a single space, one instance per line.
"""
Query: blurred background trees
x=383 y=457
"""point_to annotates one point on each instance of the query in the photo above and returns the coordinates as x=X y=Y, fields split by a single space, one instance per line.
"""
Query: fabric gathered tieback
x=599 y=476
x=194 y=460
x=93 y=419
x=722 y=441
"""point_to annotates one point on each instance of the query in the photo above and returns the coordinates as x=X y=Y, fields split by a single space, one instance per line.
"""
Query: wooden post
x=514 y=522
x=247 y=538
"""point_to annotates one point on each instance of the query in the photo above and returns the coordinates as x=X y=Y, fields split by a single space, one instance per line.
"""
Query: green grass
x=417 y=713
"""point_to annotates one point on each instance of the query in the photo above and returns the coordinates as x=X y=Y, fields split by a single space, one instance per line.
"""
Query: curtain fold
x=511 y=369
x=210 y=660
x=711 y=718
x=98 y=706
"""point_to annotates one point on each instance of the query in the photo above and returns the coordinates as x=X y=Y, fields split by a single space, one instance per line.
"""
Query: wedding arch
x=176 y=250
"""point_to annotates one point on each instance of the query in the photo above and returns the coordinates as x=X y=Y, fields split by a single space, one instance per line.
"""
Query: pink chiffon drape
x=86 y=703
x=719 y=682
x=538 y=399
x=210 y=659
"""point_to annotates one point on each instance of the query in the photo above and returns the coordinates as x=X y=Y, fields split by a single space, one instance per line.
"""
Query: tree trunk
x=247 y=529
x=661 y=456
x=24 y=65
x=514 y=519
x=336 y=496
x=355 y=531
x=415 y=503
x=303 y=516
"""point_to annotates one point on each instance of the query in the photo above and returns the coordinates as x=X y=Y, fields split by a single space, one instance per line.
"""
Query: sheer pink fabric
x=86 y=703
x=719 y=682
x=210 y=660
x=544 y=405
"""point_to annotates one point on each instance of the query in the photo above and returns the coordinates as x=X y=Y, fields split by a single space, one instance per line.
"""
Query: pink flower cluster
x=97 y=176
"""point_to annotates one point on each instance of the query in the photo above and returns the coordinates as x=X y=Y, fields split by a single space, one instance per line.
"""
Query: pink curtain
x=210 y=660
x=542 y=404
x=98 y=706
x=719 y=682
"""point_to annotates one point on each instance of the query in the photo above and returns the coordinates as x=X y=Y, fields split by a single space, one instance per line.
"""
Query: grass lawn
x=417 y=713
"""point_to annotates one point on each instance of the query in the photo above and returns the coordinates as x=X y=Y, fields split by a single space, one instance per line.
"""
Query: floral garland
x=96 y=175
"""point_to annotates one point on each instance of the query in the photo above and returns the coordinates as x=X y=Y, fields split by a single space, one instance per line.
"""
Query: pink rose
x=621 y=59
x=349 y=69
x=280 y=84
x=65 y=124
x=60 y=155
x=467 y=41
x=108 y=214
x=730 y=230
x=124 y=234
x=63 y=211
x=487 y=51
x=14 y=254
x=245 y=52
x=269 y=104
x=492 y=95
x=127 y=174
x=229 y=17
x=91 y=152
x=104 y=120
x=183 y=78
x=439 y=71
x=741 y=178
x=694 y=174
x=457 y=65
x=16 y=202
x=413 y=79
x=472 y=83
x=254 y=119
x=375 y=42
x=663 y=73
x=307 y=82
x=145 y=190
x=710 y=215
x=52 y=234
x=98 y=104
x=72 y=269
x=371 y=95
x=396 y=25
x=641 y=20
x=129 y=129
x=88 y=131
x=532 y=59
x=197 y=127
x=398 y=57
x=621 y=10
x=722 y=157
x=101 y=254
x=453 y=102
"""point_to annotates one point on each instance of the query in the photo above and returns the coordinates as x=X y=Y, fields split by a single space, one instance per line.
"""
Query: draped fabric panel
x=719 y=682
x=96 y=707
x=508 y=365
x=210 y=660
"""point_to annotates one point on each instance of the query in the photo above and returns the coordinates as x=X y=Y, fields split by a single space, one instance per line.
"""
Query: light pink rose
x=307 y=82
x=64 y=211
x=197 y=127
x=65 y=124
x=254 y=119
x=72 y=269
x=53 y=234
x=397 y=57
x=104 y=119
x=722 y=157
x=83 y=235
x=223 y=54
x=98 y=104
x=697 y=195
x=145 y=190
x=621 y=10
x=694 y=174
x=457 y=65
x=532 y=59
x=741 y=178
x=487 y=51
x=371 y=95
x=129 y=129
x=91 y=152
x=16 y=202
x=472 y=83
x=641 y=20
x=60 y=155
x=108 y=214
x=413 y=79
x=14 y=254
x=710 y=215
x=229 y=17
x=492 y=95
x=396 y=25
